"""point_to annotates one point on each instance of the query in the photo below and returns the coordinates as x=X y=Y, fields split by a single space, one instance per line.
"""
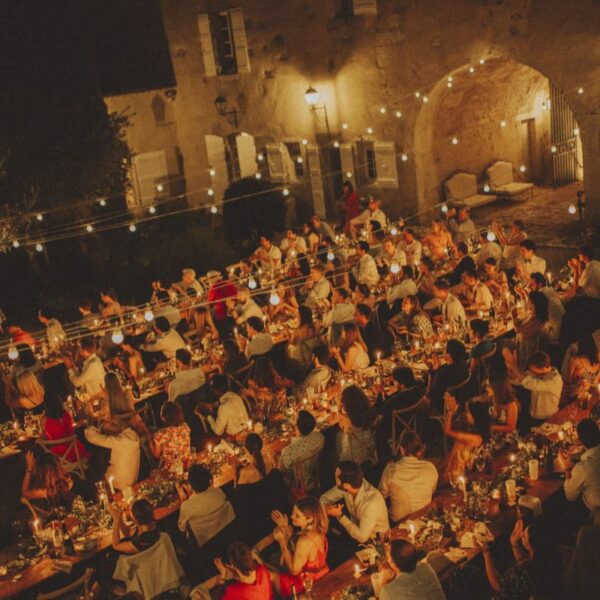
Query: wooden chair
x=305 y=472
x=80 y=589
x=405 y=419
x=481 y=366
x=36 y=512
x=78 y=466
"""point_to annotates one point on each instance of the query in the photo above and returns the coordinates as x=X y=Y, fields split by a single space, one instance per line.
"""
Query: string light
x=304 y=141
x=212 y=172
x=103 y=202
x=417 y=94
x=152 y=210
x=16 y=243
x=213 y=209
x=395 y=267
x=330 y=256
x=299 y=160
x=383 y=110
x=425 y=99
x=491 y=236
x=522 y=168
x=89 y=228
x=260 y=156
x=454 y=141
x=471 y=69
x=40 y=217
x=572 y=210
x=132 y=227
x=344 y=125
x=486 y=188
x=39 y=247
x=149 y=315
x=580 y=91
x=285 y=192
x=404 y=157
x=450 y=79
x=370 y=130
x=258 y=175
x=252 y=283
x=576 y=131
x=449 y=84
x=117 y=337
x=274 y=298
x=444 y=208
x=554 y=149
x=13 y=353
x=336 y=144
x=160 y=187
x=210 y=192
x=502 y=123
x=481 y=61
x=394 y=231
x=398 y=114
x=349 y=174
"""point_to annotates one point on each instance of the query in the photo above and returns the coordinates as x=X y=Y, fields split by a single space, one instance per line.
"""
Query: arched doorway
x=498 y=110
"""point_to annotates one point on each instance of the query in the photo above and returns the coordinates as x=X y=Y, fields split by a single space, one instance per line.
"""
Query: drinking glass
x=307 y=582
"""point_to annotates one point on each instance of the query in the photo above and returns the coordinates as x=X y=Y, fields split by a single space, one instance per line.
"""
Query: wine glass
x=479 y=461
x=307 y=582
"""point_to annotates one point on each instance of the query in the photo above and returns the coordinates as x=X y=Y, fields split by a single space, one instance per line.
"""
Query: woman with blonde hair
x=307 y=558
x=120 y=400
x=27 y=394
x=353 y=352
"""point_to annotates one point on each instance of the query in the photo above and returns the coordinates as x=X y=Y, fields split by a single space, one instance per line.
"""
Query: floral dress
x=174 y=443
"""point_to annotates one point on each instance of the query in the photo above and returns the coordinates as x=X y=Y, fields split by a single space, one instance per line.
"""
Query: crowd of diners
x=299 y=318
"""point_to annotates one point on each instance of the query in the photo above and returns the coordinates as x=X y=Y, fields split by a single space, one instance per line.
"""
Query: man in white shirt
x=452 y=311
x=542 y=380
x=187 y=378
x=391 y=253
x=204 y=509
x=319 y=376
x=412 y=247
x=405 y=286
x=409 y=482
x=292 y=244
x=168 y=341
x=584 y=478
x=488 y=250
x=232 y=415
x=323 y=229
x=90 y=379
x=366 y=270
x=410 y=579
x=302 y=448
x=260 y=342
x=342 y=311
x=373 y=213
x=589 y=280
x=556 y=309
x=474 y=295
x=55 y=334
x=317 y=288
x=365 y=505
x=528 y=262
x=124 y=444
x=461 y=224
x=246 y=308
x=268 y=254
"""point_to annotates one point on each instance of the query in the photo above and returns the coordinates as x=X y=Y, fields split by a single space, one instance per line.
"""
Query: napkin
x=480 y=533
x=456 y=555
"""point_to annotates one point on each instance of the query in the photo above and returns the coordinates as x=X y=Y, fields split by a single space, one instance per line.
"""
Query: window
x=358 y=7
x=295 y=152
x=377 y=163
x=371 y=162
x=223 y=43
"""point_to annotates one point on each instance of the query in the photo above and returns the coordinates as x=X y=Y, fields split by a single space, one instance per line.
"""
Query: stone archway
x=499 y=110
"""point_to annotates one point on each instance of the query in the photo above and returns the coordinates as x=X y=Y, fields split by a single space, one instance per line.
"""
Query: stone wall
x=362 y=63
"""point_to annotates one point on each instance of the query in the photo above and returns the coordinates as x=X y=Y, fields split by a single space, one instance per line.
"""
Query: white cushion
x=500 y=173
x=511 y=189
x=478 y=200
x=460 y=186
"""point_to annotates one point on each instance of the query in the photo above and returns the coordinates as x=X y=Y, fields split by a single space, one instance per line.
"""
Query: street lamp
x=221 y=106
x=312 y=98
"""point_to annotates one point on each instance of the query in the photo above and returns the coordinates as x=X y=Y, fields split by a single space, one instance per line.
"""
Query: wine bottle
x=68 y=546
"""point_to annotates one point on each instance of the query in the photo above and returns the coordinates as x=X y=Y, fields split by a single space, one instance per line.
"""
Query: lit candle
x=305 y=401
x=413 y=531
x=209 y=448
x=549 y=276
x=36 y=526
x=378 y=356
x=357 y=572
x=111 y=485
x=235 y=331
x=15 y=424
x=462 y=484
x=512 y=457
x=561 y=435
x=103 y=500
x=249 y=424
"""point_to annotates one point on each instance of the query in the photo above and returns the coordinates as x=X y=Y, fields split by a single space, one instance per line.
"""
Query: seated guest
x=27 y=361
x=120 y=402
x=410 y=481
x=265 y=387
x=528 y=262
x=587 y=272
x=142 y=535
x=425 y=279
x=352 y=353
x=58 y=424
x=505 y=404
x=452 y=311
x=303 y=552
x=538 y=570
x=308 y=444
x=317 y=288
x=287 y=307
x=55 y=334
x=372 y=213
x=366 y=269
x=246 y=306
x=252 y=581
x=259 y=342
x=496 y=281
x=89 y=320
x=342 y=311
x=130 y=360
x=232 y=415
x=19 y=336
x=556 y=309
x=171 y=444
x=187 y=378
x=402 y=285
x=531 y=329
x=188 y=281
x=583 y=479
x=474 y=295
x=90 y=378
x=365 y=505
x=45 y=483
x=412 y=321
x=542 y=380
x=162 y=307
x=453 y=372
x=488 y=249
x=167 y=341
x=460 y=223
x=391 y=253
x=292 y=244
x=411 y=247
x=511 y=242
x=112 y=307
x=268 y=254
x=205 y=510
x=438 y=241
x=27 y=395
x=201 y=324
x=124 y=444
x=232 y=360
x=479 y=335
x=362 y=295
x=303 y=338
x=583 y=371
x=378 y=341
x=320 y=374
x=356 y=440
x=465 y=263
x=220 y=289
x=409 y=577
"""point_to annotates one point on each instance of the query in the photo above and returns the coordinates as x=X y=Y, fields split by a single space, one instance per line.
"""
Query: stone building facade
x=410 y=92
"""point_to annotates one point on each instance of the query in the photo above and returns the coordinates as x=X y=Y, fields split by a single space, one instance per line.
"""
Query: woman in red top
x=350 y=203
x=309 y=557
x=57 y=425
x=253 y=581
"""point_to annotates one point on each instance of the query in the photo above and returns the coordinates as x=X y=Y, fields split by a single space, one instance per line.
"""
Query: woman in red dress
x=350 y=203
x=253 y=581
x=308 y=559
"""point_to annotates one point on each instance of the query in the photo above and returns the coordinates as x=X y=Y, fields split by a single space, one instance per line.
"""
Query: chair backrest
x=464 y=387
x=78 y=466
x=500 y=173
x=305 y=472
x=460 y=186
x=405 y=419
x=80 y=587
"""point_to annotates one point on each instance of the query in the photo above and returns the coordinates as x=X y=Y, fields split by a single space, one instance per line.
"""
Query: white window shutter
x=206 y=46
x=364 y=7
x=347 y=162
x=316 y=179
x=238 y=32
x=385 y=159
x=246 y=151
x=276 y=162
x=215 y=152
x=150 y=169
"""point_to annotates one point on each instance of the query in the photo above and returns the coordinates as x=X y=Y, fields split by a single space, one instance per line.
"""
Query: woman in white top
x=353 y=349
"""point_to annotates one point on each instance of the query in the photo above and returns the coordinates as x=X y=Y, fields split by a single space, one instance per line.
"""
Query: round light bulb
x=481 y=61
x=580 y=91
x=117 y=337
x=299 y=160
x=159 y=187
x=454 y=141
x=257 y=175
x=330 y=256
x=13 y=353
x=349 y=174
x=152 y=210
x=132 y=227
x=304 y=141
x=576 y=131
x=486 y=188
x=369 y=130
x=210 y=192
x=471 y=69
x=491 y=236
x=383 y=110
x=260 y=156
x=522 y=168
x=89 y=228
x=285 y=192
x=417 y=94
x=336 y=144
x=40 y=217
x=103 y=202
x=395 y=267
x=394 y=231
x=344 y=125
x=274 y=298
x=398 y=114
x=149 y=315
x=213 y=210
x=554 y=149
x=444 y=208
x=503 y=123
x=572 y=209
x=252 y=283
x=39 y=247
x=449 y=84
x=425 y=99
x=450 y=78
x=16 y=243
x=404 y=157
